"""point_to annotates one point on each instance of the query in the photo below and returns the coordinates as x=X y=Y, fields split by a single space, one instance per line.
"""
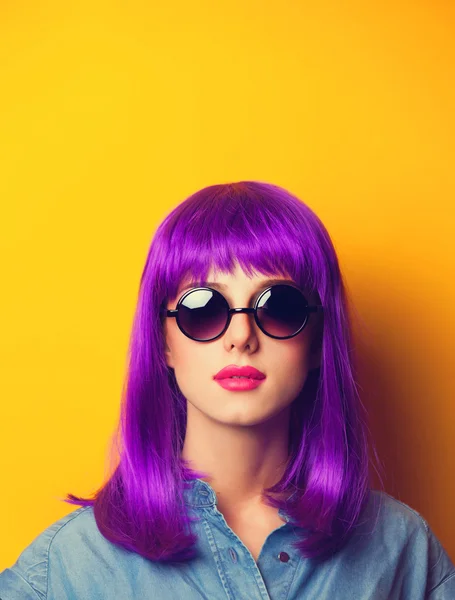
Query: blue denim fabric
x=393 y=555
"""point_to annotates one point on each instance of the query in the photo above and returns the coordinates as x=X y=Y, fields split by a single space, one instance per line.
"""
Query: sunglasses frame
x=231 y=311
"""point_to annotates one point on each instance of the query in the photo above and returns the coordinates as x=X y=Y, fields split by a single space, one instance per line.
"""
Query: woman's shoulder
x=68 y=544
x=389 y=512
x=76 y=529
x=387 y=517
x=394 y=535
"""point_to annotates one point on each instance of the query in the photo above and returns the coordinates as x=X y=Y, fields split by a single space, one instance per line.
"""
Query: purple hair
x=263 y=226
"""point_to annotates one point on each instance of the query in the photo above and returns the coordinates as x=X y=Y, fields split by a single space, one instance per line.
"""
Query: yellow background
x=114 y=112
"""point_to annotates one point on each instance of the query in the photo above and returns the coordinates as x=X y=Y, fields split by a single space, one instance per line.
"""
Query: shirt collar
x=197 y=493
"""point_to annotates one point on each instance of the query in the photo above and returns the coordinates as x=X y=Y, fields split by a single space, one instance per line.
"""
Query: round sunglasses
x=281 y=311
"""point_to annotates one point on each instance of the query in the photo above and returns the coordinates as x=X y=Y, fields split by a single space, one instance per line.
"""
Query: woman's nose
x=241 y=323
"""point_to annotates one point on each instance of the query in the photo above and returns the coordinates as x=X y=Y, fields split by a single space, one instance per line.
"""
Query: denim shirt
x=393 y=555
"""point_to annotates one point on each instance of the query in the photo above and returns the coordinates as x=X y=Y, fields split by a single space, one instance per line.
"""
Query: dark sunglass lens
x=282 y=310
x=203 y=314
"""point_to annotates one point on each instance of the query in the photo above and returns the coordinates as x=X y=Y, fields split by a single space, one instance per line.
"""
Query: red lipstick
x=249 y=378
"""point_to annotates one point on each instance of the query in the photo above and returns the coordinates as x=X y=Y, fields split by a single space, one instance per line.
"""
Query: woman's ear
x=168 y=356
x=167 y=350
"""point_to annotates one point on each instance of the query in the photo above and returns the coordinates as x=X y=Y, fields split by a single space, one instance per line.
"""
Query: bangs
x=260 y=226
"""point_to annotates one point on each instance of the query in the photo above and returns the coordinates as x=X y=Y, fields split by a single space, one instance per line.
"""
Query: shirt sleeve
x=14 y=587
x=441 y=570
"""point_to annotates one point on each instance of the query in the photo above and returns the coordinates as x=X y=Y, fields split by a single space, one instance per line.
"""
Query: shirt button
x=283 y=556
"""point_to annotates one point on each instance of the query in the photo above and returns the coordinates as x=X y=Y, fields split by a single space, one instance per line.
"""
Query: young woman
x=243 y=469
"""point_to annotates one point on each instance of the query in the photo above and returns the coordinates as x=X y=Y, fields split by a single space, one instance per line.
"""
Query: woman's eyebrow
x=223 y=286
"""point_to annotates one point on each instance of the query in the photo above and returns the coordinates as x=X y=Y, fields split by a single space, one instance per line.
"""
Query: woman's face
x=284 y=362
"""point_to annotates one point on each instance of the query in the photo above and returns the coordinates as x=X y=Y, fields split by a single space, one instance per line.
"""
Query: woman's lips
x=237 y=370
x=239 y=385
